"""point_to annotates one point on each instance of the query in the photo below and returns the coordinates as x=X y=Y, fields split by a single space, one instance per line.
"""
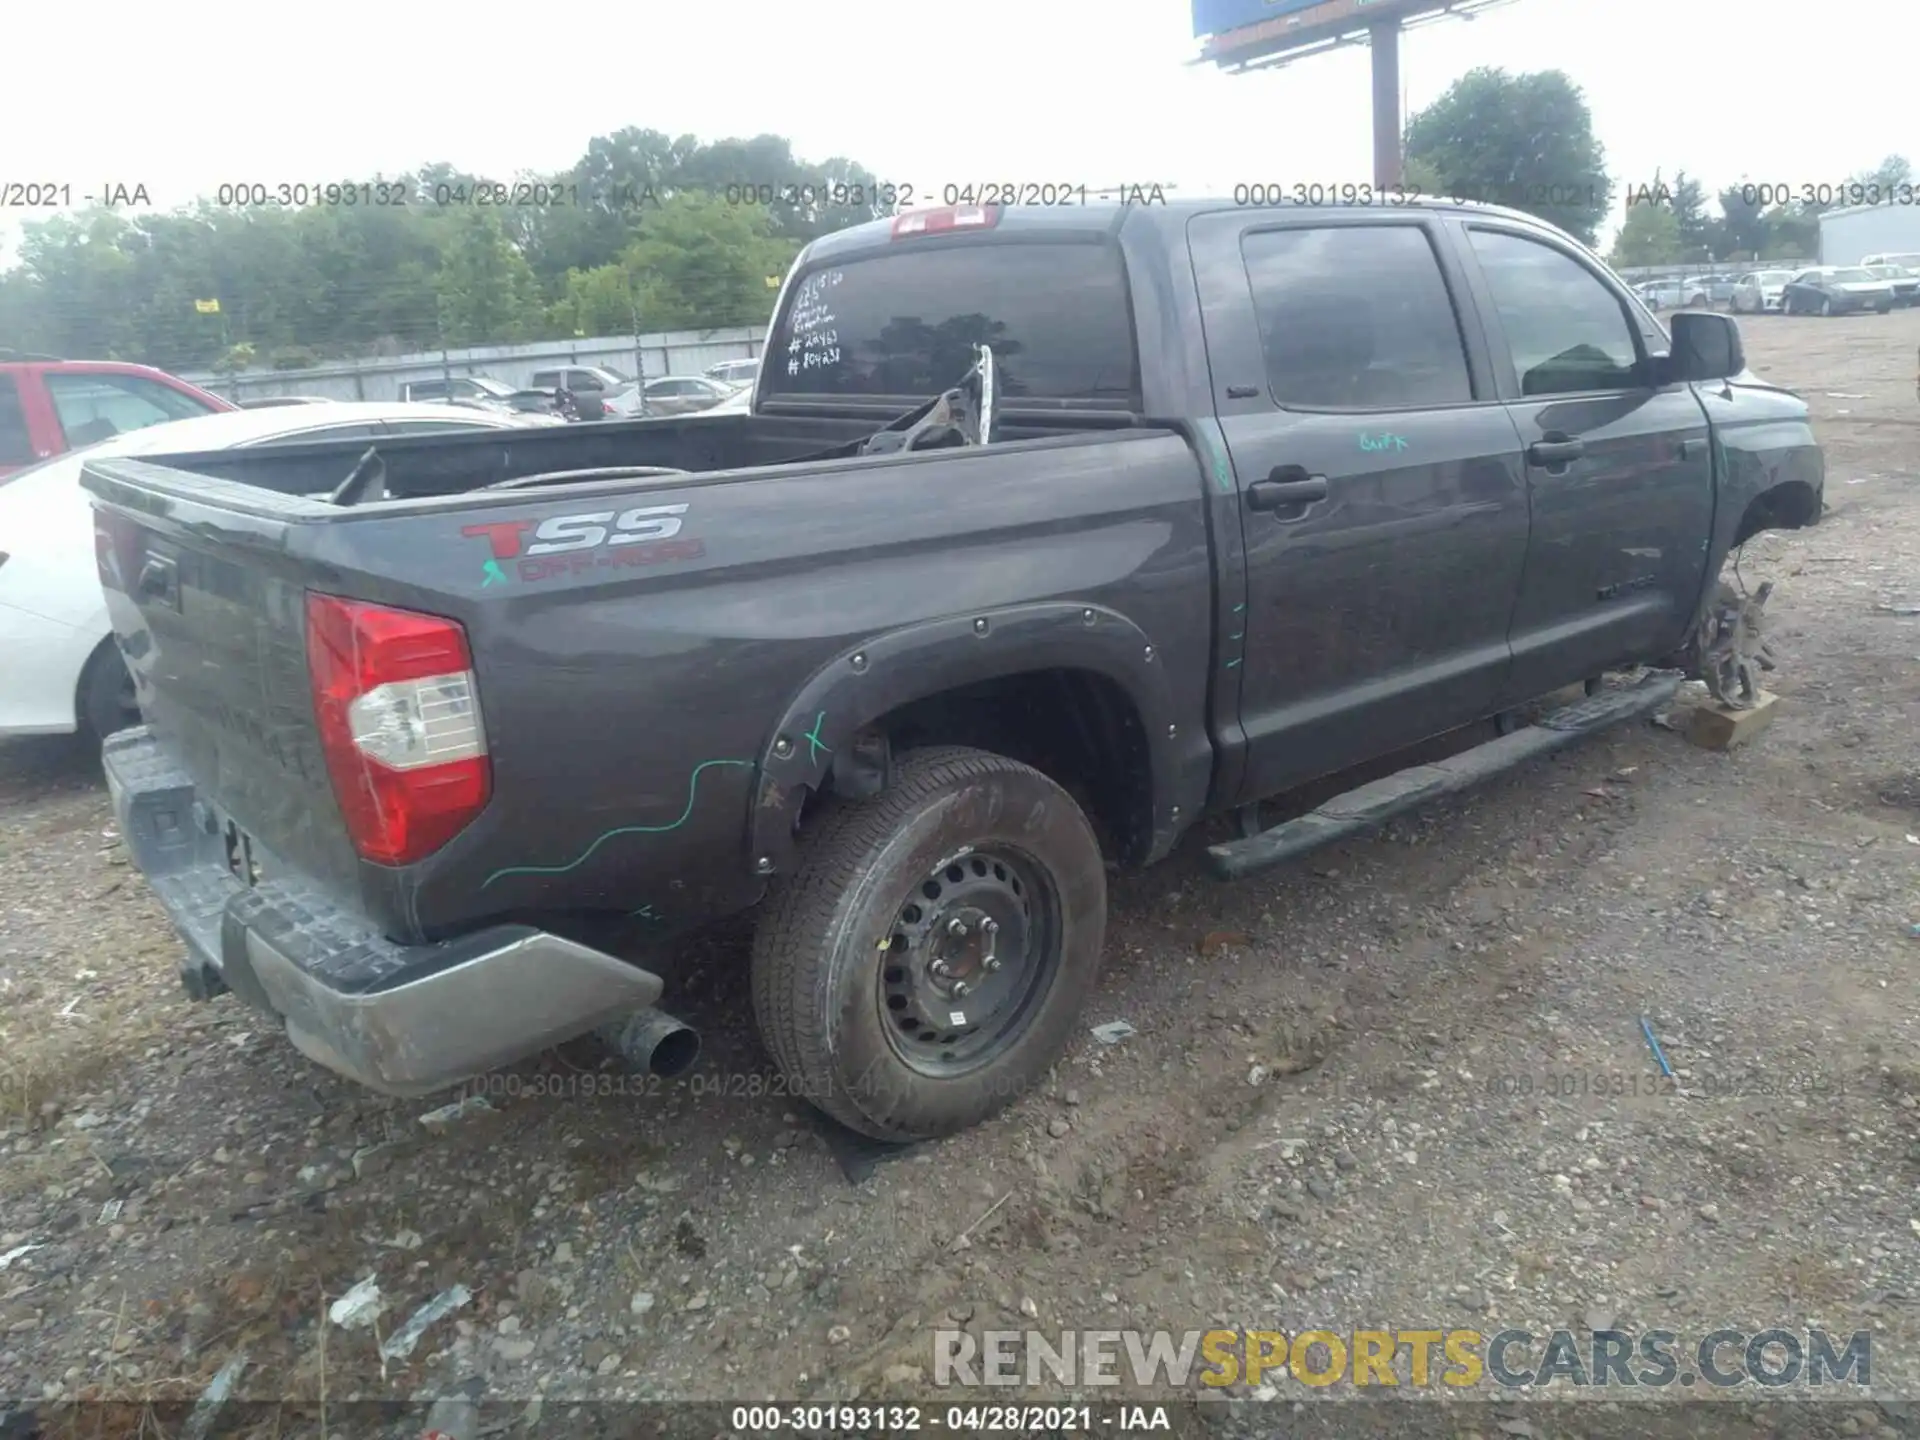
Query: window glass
x=1567 y=332
x=16 y=445
x=903 y=323
x=1355 y=318
x=93 y=407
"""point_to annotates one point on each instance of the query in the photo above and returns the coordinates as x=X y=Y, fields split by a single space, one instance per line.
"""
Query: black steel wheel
x=929 y=956
x=107 y=699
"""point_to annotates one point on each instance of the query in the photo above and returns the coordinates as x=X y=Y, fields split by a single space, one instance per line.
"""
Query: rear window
x=903 y=324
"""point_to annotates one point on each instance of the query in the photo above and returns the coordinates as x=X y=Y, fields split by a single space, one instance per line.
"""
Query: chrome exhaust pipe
x=654 y=1041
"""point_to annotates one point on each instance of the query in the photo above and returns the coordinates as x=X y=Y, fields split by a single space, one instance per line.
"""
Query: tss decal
x=651 y=528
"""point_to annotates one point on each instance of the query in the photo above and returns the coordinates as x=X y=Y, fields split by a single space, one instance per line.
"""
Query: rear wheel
x=106 y=698
x=928 y=958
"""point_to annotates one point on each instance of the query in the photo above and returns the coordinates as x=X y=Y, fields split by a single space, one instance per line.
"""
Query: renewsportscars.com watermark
x=1421 y=1359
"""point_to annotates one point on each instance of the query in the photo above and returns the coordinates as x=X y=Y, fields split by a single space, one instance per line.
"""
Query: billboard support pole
x=1385 y=39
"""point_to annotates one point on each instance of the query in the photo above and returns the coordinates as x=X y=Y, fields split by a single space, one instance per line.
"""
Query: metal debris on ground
x=1113 y=1032
x=1735 y=648
x=359 y=1307
x=6 y=1260
x=1901 y=608
x=399 y=1345
x=459 y=1110
x=213 y=1397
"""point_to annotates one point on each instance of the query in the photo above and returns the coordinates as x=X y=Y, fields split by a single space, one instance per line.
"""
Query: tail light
x=953 y=217
x=399 y=725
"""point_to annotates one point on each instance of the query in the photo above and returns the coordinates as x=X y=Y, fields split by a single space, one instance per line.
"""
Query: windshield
x=902 y=324
x=1772 y=277
x=1849 y=276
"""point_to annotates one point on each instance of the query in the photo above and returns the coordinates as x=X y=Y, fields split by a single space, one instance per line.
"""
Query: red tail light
x=399 y=725
x=953 y=217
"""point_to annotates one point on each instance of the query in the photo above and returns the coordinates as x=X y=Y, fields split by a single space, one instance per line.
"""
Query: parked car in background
x=50 y=406
x=61 y=672
x=738 y=403
x=1719 y=288
x=1692 y=293
x=683 y=394
x=1905 y=259
x=734 y=372
x=580 y=379
x=1758 y=292
x=272 y=402
x=1904 y=280
x=482 y=391
x=1836 y=290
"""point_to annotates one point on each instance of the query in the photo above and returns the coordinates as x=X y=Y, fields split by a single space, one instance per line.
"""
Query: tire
x=844 y=952
x=106 y=699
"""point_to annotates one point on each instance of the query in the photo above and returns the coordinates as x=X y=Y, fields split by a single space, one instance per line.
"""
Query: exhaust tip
x=654 y=1041
x=675 y=1053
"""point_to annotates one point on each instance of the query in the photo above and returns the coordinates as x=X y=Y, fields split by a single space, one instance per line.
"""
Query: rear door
x=1384 y=505
x=17 y=447
x=1619 y=470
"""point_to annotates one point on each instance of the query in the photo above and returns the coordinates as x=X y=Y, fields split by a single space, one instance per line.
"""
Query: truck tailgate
x=209 y=601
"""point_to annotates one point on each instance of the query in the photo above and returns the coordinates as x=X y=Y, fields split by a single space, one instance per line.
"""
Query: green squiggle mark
x=812 y=737
x=693 y=786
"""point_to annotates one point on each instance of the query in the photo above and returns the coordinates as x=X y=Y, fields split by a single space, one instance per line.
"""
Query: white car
x=62 y=671
x=1758 y=292
x=734 y=372
x=738 y=403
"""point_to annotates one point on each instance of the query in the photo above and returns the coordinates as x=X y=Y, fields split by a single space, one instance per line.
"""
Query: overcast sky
x=183 y=97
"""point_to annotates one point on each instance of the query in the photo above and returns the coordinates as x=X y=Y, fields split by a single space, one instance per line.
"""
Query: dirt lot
x=1403 y=1084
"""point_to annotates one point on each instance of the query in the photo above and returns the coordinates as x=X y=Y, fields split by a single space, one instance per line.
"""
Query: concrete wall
x=684 y=352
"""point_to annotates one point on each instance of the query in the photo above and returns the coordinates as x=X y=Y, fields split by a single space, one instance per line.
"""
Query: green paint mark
x=1216 y=458
x=645 y=912
x=1238 y=609
x=693 y=786
x=1230 y=665
x=1383 y=441
x=1238 y=635
x=495 y=575
x=814 y=747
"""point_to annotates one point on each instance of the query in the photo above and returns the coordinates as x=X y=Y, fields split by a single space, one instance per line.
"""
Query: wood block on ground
x=1714 y=727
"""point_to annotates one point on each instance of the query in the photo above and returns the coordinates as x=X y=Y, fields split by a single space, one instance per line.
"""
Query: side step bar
x=1371 y=804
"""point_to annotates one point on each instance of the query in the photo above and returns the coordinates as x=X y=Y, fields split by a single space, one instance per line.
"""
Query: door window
x=1355 y=318
x=1566 y=331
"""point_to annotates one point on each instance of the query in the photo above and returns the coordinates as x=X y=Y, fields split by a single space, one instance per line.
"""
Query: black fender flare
x=894 y=668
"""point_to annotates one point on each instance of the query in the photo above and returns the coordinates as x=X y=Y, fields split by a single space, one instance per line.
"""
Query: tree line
x=644 y=232
x=1755 y=220
x=648 y=232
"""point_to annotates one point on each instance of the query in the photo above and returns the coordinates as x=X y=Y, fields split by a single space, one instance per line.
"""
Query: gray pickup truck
x=1050 y=533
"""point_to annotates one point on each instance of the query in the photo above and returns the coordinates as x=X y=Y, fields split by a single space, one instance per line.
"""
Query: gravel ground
x=1402 y=1084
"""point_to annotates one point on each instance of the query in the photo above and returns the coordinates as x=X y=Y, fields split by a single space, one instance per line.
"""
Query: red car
x=50 y=406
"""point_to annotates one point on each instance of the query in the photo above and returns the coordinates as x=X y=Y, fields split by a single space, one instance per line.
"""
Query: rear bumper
x=402 y=1019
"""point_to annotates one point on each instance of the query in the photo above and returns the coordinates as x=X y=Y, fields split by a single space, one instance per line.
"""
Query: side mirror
x=1706 y=346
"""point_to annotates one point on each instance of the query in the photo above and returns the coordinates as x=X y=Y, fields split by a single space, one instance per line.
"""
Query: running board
x=1369 y=805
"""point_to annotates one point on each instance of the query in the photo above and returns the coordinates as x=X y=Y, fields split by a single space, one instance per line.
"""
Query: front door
x=1620 y=469
x=1384 y=504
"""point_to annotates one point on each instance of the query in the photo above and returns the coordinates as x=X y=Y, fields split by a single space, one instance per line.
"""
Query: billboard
x=1239 y=31
x=1216 y=17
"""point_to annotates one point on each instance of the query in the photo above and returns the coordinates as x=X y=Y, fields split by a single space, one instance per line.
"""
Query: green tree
x=701 y=263
x=1522 y=140
x=1742 y=228
x=486 y=291
x=1691 y=222
x=1793 y=232
x=1650 y=236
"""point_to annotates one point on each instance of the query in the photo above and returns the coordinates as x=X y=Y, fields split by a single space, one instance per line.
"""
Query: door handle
x=1692 y=449
x=1286 y=485
x=1555 y=449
